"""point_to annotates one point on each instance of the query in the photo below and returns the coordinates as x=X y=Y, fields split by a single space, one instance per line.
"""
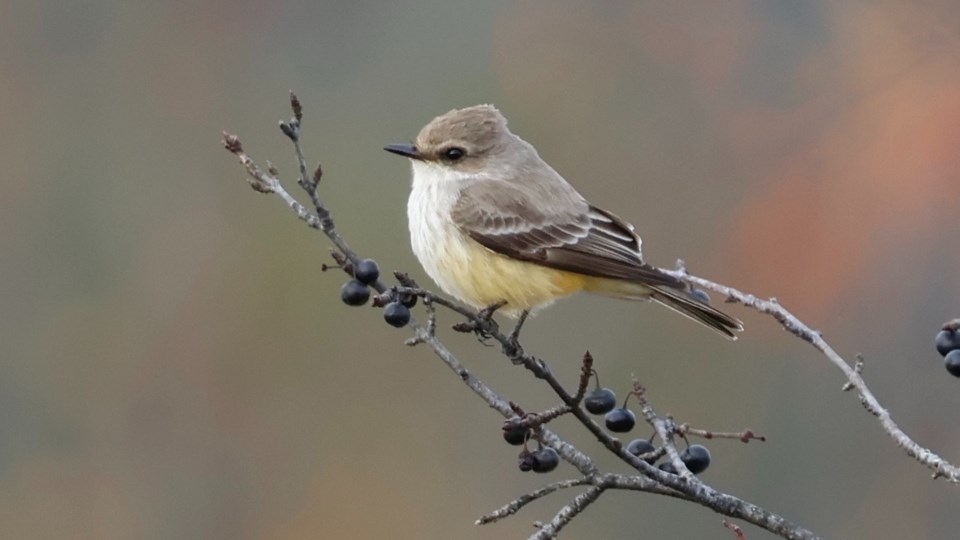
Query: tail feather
x=675 y=298
x=679 y=301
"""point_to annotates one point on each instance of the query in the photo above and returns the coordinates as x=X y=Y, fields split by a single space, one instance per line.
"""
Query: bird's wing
x=565 y=232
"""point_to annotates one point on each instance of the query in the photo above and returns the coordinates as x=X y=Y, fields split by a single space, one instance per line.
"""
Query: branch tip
x=232 y=143
x=585 y=371
x=296 y=106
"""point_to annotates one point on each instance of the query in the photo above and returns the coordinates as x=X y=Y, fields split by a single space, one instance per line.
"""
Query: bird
x=498 y=228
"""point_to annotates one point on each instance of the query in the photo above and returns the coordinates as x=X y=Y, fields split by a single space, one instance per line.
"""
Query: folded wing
x=566 y=234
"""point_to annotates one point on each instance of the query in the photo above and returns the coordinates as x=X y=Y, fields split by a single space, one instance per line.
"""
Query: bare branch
x=683 y=486
x=744 y=436
x=940 y=467
x=669 y=484
x=515 y=505
x=568 y=512
x=585 y=371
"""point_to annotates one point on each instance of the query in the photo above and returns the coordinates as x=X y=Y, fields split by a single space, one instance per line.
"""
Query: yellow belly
x=481 y=277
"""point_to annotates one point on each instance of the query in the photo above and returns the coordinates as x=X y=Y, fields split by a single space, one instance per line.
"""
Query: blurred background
x=173 y=364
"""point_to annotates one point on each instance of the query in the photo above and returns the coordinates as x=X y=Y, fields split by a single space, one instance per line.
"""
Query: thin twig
x=744 y=436
x=568 y=512
x=515 y=505
x=586 y=370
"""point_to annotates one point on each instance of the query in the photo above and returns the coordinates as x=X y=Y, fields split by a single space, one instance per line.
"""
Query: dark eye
x=454 y=153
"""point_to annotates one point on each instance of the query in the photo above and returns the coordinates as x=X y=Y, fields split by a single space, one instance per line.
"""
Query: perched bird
x=493 y=224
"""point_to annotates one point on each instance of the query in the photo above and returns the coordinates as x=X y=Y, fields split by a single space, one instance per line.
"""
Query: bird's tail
x=677 y=299
x=705 y=314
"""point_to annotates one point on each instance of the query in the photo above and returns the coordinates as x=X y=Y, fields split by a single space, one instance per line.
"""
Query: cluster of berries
x=696 y=457
x=948 y=345
x=356 y=292
x=543 y=459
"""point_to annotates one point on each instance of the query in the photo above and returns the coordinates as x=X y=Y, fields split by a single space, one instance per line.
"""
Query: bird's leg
x=515 y=334
x=513 y=348
x=486 y=313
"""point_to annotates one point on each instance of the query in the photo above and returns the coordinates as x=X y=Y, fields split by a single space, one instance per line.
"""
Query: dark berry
x=354 y=293
x=396 y=314
x=639 y=447
x=600 y=401
x=947 y=340
x=367 y=271
x=620 y=420
x=696 y=457
x=701 y=295
x=514 y=433
x=952 y=361
x=545 y=460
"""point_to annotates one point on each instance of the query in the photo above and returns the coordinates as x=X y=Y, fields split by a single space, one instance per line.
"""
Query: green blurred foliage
x=174 y=365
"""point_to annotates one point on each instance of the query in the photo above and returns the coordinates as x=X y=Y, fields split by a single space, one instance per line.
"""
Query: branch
x=568 y=512
x=515 y=505
x=684 y=486
x=940 y=467
x=744 y=436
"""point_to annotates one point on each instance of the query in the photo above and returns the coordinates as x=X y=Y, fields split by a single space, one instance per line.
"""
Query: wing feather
x=567 y=235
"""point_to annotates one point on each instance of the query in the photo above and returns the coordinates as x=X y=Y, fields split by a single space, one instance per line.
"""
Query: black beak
x=405 y=150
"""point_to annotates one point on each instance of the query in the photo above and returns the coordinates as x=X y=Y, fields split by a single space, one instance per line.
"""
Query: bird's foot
x=483 y=325
x=512 y=350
